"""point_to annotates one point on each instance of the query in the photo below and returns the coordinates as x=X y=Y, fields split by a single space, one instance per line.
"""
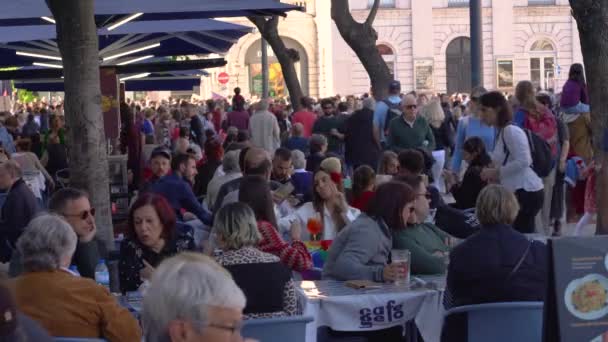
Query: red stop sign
x=223 y=77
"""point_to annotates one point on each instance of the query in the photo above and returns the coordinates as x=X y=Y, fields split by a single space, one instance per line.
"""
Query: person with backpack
x=472 y=126
x=513 y=160
x=538 y=119
x=386 y=110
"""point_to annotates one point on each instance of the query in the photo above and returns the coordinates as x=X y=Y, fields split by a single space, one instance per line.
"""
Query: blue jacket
x=6 y=139
x=479 y=268
x=180 y=195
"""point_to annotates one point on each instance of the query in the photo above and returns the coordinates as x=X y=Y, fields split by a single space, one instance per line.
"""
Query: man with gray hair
x=360 y=146
x=65 y=304
x=231 y=171
x=192 y=298
x=264 y=128
x=19 y=207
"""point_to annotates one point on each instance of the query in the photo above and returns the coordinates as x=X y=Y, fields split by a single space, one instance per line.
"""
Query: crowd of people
x=224 y=191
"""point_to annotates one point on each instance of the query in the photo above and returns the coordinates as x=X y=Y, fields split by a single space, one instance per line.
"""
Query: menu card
x=576 y=307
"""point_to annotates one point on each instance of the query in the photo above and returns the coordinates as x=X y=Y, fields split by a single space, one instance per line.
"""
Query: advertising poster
x=276 y=83
x=423 y=73
x=504 y=73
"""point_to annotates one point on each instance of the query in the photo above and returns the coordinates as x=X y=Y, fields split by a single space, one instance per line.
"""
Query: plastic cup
x=402 y=258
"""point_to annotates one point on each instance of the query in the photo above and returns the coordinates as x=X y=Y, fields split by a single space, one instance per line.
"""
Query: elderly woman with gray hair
x=497 y=264
x=237 y=234
x=231 y=171
x=64 y=304
x=208 y=306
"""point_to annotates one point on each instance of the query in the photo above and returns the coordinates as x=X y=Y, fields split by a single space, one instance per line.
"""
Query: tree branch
x=372 y=13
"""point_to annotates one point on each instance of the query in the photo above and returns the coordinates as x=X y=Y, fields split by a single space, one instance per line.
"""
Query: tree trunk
x=593 y=31
x=269 y=30
x=361 y=37
x=78 y=43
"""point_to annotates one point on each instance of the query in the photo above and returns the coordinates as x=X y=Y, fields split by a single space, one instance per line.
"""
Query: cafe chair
x=496 y=322
x=279 y=329
x=77 y=339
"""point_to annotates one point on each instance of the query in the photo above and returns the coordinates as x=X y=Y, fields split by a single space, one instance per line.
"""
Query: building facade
x=424 y=42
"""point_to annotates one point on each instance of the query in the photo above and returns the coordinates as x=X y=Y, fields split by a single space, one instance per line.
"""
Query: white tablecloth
x=341 y=308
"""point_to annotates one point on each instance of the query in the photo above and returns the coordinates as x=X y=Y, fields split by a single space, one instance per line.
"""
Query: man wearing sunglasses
x=411 y=130
x=74 y=206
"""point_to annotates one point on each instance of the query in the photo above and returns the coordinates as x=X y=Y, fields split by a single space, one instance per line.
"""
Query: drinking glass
x=402 y=258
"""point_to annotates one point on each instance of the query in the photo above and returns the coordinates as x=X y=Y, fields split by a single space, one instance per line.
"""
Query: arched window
x=542 y=63
x=389 y=58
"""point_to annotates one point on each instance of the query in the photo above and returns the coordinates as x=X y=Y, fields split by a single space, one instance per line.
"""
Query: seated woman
x=498 y=264
x=266 y=282
x=29 y=162
x=328 y=206
x=426 y=243
x=64 y=304
x=465 y=193
x=361 y=249
x=255 y=192
x=150 y=238
x=364 y=184
x=387 y=167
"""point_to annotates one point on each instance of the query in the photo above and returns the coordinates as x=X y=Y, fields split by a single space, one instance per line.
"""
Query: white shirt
x=307 y=211
x=265 y=131
x=516 y=173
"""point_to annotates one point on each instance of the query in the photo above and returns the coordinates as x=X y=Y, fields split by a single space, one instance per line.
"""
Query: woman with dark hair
x=574 y=98
x=364 y=184
x=465 y=192
x=361 y=250
x=150 y=238
x=425 y=241
x=255 y=192
x=328 y=208
x=512 y=159
x=214 y=153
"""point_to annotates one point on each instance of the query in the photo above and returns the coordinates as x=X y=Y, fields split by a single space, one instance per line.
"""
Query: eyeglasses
x=234 y=329
x=83 y=215
x=426 y=195
x=411 y=107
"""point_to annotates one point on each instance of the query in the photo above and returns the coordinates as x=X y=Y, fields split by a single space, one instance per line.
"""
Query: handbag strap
x=520 y=262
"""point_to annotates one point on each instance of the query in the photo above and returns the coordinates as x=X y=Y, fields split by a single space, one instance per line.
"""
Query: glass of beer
x=402 y=258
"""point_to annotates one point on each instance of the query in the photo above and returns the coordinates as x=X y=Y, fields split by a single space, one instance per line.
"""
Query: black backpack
x=542 y=161
x=394 y=111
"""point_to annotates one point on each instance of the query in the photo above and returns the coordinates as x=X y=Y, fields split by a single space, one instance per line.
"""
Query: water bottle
x=102 y=275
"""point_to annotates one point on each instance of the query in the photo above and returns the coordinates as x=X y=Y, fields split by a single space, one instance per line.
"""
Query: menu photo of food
x=587 y=297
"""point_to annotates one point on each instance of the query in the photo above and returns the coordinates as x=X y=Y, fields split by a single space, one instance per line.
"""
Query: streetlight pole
x=475 y=15
x=264 y=68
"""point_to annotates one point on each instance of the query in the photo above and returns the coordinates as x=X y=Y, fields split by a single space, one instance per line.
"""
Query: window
x=458 y=3
x=389 y=58
x=542 y=64
x=541 y=2
x=383 y=3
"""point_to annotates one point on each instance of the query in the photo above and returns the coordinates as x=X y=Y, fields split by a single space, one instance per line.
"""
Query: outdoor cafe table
x=342 y=308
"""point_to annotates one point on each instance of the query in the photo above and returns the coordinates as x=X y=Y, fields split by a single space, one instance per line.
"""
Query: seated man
x=19 y=207
x=178 y=191
x=64 y=304
x=208 y=308
x=160 y=166
x=281 y=166
x=74 y=206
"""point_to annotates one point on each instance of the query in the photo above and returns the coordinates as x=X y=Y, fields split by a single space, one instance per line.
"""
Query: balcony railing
x=383 y=3
x=458 y=3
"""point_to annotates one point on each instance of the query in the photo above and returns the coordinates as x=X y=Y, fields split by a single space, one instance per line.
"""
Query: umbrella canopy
x=30 y=12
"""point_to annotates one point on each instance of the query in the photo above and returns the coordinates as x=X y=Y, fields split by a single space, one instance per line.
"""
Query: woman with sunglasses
x=425 y=241
x=151 y=237
x=410 y=130
x=361 y=249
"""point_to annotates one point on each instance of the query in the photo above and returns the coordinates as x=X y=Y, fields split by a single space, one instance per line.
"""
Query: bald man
x=410 y=130
x=256 y=163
